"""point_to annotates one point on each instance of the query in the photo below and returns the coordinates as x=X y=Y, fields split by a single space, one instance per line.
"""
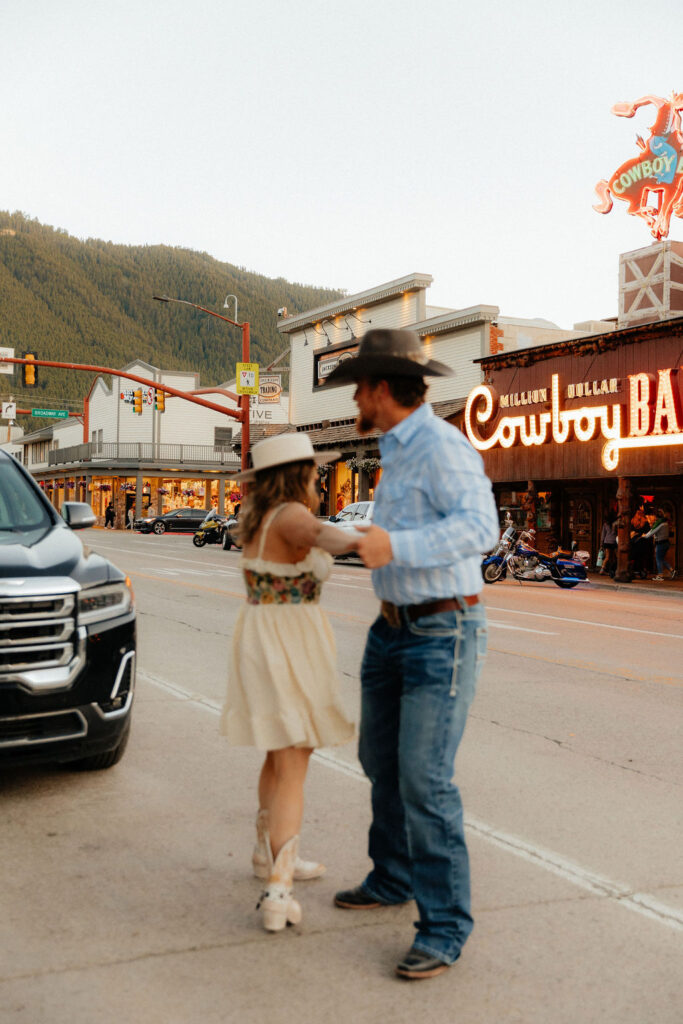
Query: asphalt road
x=129 y=890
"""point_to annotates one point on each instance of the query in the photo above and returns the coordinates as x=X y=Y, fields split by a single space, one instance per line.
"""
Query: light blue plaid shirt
x=436 y=503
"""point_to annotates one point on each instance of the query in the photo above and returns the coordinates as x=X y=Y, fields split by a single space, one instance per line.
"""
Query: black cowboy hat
x=387 y=353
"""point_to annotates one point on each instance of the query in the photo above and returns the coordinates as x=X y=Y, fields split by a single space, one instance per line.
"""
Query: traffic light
x=159 y=400
x=137 y=401
x=29 y=371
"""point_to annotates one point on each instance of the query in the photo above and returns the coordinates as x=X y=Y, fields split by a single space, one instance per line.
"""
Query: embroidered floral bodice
x=270 y=583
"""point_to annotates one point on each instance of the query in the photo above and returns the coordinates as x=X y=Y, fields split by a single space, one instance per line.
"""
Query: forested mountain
x=91 y=302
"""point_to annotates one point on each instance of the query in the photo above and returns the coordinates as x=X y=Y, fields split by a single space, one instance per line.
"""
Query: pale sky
x=343 y=144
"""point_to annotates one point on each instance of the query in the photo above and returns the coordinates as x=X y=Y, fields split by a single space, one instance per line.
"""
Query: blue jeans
x=661 y=548
x=418 y=682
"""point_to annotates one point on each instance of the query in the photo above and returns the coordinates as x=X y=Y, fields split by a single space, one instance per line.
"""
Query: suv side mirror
x=78 y=515
x=333 y=519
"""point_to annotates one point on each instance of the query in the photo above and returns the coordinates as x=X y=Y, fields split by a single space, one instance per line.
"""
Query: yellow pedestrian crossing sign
x=247 y=378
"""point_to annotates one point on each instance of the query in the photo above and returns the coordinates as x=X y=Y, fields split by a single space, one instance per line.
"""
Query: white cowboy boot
x=261 y=858
x=278 y=906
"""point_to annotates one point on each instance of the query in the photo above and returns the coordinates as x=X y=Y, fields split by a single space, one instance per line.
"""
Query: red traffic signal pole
x=243 y=415
x=187 y=396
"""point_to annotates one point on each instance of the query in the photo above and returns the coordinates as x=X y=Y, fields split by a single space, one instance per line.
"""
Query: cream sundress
x=282 y=681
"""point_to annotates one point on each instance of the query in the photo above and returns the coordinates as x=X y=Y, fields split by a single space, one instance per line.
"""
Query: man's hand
x=374 y=546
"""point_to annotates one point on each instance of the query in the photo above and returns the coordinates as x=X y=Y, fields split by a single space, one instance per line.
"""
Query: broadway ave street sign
x=58 y=414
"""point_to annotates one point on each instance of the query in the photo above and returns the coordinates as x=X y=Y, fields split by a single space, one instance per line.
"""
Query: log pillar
x=624 y=501
x=529 y=502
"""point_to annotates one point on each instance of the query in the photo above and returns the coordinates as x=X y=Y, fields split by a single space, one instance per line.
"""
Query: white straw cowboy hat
x=387 y=353
x=282 y=449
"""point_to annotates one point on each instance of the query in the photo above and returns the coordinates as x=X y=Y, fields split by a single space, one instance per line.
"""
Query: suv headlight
x=99 y=603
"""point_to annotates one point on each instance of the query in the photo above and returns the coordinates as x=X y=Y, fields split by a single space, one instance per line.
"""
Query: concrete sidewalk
x=127 y=896
x=658 y=588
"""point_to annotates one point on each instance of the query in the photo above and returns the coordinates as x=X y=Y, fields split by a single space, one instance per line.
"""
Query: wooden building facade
x=579 y=431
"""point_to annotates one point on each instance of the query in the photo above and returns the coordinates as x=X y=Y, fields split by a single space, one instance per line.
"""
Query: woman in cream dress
x=282 y=685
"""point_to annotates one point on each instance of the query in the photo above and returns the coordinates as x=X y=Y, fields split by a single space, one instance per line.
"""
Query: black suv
x=67 y=634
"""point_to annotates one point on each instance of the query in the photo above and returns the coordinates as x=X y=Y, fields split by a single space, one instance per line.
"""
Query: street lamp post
x=244 y=399
x=226 y=304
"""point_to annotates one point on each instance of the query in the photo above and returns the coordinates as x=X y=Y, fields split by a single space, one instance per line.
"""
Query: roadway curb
x=667 y=588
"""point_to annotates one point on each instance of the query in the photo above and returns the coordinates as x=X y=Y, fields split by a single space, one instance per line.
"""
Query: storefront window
x=543 y=510
x=343 y=489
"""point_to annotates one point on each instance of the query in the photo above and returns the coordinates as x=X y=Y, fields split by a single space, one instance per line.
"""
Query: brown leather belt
x=392 y=612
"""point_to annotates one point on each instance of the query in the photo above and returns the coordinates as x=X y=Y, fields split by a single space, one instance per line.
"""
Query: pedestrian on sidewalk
x=640 y=547
x=434 y=517
x=109 y=516
x=660 y=533
x=608 y=542
x=282 y=685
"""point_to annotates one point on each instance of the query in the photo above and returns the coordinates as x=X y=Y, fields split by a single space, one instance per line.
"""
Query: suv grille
x=32 y=729
x=36 y=632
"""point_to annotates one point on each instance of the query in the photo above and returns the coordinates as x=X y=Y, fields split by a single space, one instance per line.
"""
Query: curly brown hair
x=273 y=487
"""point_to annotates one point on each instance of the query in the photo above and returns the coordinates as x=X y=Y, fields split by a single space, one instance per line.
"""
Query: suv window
x=20 y=506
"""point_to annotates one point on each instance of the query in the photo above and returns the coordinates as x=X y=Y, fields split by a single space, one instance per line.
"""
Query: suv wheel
x=98 y=762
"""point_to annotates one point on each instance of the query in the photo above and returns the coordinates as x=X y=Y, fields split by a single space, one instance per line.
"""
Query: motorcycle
x=230 y=535
x=211 y=531
x=517 y=555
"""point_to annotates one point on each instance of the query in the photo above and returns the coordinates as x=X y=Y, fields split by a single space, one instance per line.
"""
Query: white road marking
x=520 y=629
x=598 y=885
x=586 y=622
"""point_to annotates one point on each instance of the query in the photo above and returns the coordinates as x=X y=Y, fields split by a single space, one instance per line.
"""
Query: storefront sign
x=270 y=389
x=326 y=363
x=652 y=181
x=539 y=396
x=653 y=417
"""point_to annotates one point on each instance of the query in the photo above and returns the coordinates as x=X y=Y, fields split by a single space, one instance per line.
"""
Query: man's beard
x=364 y=424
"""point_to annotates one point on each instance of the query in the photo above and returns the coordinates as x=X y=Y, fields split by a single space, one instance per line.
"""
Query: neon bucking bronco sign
x=652 y=181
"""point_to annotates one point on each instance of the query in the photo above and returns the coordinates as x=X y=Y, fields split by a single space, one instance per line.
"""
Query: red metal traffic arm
x=236 y=414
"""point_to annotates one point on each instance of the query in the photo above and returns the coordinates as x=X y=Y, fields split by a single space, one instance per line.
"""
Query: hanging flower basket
x=369 y=465
x=105 y=487
x=163 y=490
x=188 y=493
x=127 y=487
x=71 y=484
x=235 y=495
x=60 y=485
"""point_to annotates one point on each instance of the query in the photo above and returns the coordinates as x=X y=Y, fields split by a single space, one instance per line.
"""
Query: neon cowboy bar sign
x=653 y=417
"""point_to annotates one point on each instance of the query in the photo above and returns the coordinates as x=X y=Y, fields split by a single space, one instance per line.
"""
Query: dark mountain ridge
x=90 y=301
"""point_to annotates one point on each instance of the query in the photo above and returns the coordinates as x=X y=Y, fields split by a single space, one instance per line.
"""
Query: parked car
x=179 y=520
x=359 y=513
x=67 y=634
